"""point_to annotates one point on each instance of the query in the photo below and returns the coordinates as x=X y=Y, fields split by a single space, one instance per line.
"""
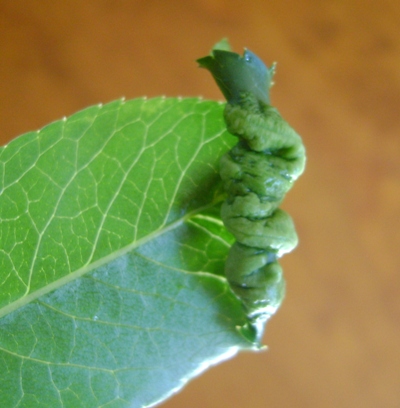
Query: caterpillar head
x=238 y=75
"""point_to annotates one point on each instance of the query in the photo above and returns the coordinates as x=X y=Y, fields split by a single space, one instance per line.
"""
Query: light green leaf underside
x=100 y=182
x=111 y=251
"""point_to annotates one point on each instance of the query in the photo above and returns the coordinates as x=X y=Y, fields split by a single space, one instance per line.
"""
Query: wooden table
x=335 y=342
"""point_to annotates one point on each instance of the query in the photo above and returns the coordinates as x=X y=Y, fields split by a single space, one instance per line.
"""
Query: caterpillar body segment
x=256 y=175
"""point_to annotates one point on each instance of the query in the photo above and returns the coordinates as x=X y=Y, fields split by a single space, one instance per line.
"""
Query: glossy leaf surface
x=111 y=256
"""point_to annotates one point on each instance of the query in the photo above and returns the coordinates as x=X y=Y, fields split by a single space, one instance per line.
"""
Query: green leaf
x=111 y=256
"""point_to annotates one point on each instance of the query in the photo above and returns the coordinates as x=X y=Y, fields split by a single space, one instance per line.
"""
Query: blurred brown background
x=336 y=340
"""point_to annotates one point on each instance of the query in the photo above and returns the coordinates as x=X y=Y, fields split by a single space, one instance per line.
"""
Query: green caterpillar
x=256 y=175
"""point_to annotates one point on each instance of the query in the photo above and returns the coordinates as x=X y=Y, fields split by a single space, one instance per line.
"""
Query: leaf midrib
x=13 y=306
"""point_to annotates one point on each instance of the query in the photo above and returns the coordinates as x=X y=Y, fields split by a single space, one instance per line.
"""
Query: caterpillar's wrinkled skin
x=256 y=175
